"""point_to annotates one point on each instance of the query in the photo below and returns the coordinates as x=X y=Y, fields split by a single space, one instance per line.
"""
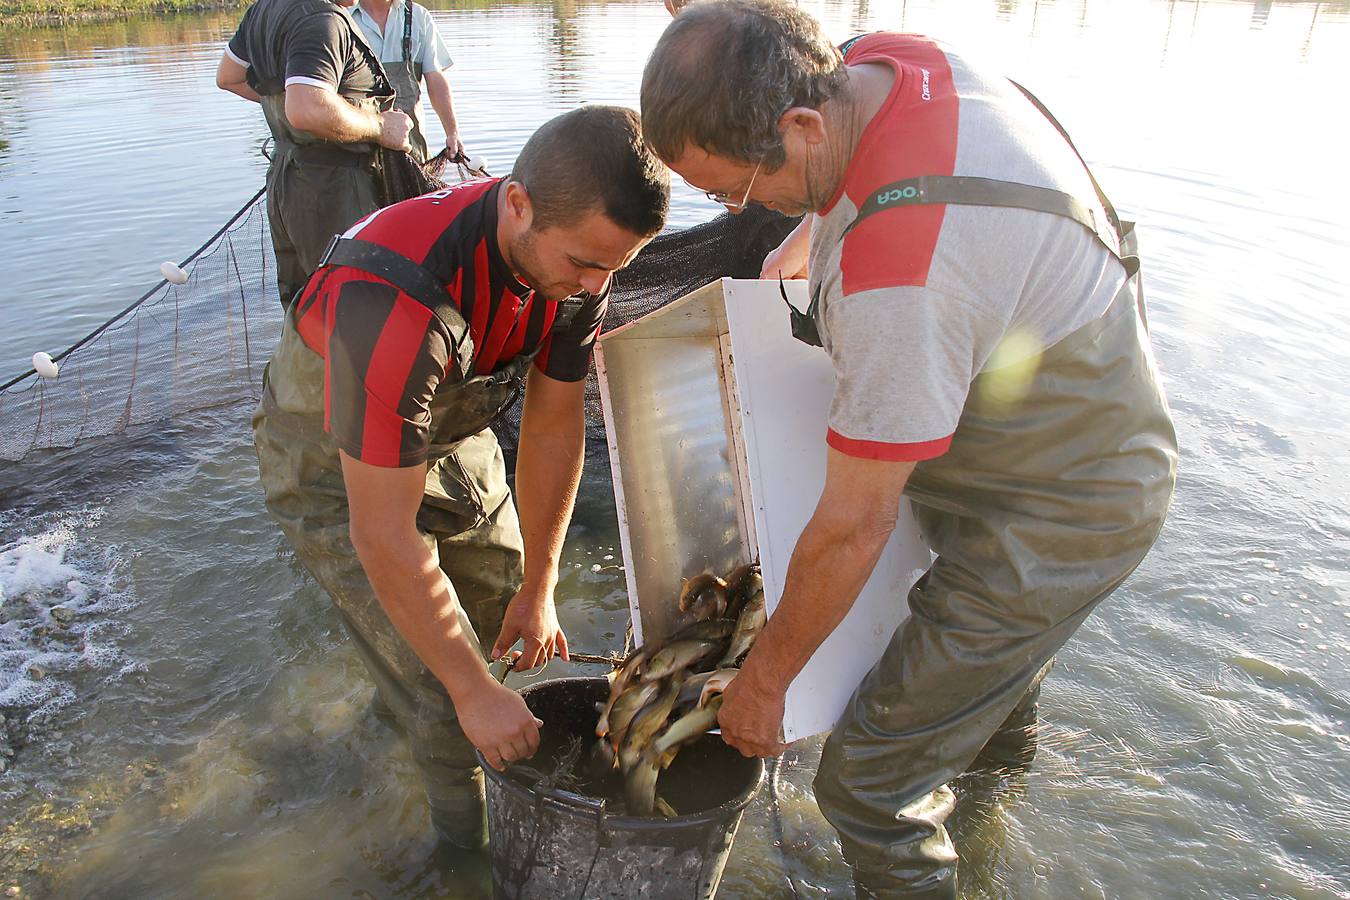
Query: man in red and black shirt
x=423 y=323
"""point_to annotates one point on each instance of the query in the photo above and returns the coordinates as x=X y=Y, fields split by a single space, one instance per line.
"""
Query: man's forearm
x=415 y=595
x=548 y=470
x=232 y=76
x=438 y=92
x=242 y=89
x=831 y=563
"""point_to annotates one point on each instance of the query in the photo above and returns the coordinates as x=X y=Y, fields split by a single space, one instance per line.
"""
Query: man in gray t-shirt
x=978 y=301
x=321 y=88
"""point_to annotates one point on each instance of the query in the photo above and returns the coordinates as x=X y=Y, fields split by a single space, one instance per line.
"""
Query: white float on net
x=173 y=274
x=44 y=365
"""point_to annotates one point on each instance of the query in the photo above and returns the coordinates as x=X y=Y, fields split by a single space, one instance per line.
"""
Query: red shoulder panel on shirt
x=914 y=134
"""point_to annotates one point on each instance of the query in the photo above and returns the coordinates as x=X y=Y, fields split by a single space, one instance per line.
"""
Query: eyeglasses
x=725 y=200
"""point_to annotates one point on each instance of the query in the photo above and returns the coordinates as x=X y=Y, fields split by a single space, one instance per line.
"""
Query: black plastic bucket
x=551 y=844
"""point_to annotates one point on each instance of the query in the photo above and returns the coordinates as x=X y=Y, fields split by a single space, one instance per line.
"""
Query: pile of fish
x=666 y=695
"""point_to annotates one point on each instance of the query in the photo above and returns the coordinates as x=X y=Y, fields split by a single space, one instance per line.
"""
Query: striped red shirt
x=386 y=354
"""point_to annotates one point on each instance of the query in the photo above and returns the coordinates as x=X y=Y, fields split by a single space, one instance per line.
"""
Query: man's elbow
x=311 y=109
x=373 y=541
x=877 y=525
x=864 y=527
x=301 y=111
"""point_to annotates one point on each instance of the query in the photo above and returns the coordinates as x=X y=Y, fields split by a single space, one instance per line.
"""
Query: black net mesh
x=203 y=344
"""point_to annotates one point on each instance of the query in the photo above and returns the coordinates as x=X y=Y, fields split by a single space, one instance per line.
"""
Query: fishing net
x=202 y=344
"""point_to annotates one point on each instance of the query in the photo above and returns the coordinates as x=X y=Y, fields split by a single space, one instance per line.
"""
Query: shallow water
x=200 y=727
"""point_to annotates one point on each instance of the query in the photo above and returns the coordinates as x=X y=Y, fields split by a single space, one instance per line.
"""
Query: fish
x=748 y=627
x=742 y=584
x=684 y=730
x=717 y=683
x=690 y=692
x=603 y=758
x=705 y=630
x=639 y=786
x=680 y=655
x=646 y=724
x=629 y=705
x=693 y=588
x=618 y=684
x=710 y=604
x=664 y=808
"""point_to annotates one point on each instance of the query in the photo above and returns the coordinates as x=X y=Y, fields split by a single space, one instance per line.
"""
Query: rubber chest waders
x=1041 y=506
x=406 y=78
x=466 y=519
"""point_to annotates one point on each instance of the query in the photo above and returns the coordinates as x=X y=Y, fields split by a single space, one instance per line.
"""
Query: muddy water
x=199 y=728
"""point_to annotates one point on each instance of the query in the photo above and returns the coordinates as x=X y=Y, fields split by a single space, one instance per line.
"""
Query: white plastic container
x=716 y=418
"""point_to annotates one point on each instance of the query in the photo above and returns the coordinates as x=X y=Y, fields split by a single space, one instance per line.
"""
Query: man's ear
x=519 y=209
x=803 y=122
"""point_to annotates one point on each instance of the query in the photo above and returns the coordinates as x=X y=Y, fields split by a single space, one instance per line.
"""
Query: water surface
x=201 y=728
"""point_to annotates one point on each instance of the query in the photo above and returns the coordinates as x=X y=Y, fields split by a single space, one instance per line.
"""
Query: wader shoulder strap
x=407 y=30
x=966 y=190
x=384 y=89
x=410 y=277
x=1101 y=195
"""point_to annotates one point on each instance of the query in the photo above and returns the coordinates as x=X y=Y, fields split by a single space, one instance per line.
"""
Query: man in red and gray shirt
x=423 y=322
x=979 y=302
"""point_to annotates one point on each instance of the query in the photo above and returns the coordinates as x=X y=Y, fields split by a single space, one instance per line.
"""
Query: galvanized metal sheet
x=716 y=419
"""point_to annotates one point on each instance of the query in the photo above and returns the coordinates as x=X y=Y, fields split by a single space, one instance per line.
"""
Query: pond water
x=200 y=728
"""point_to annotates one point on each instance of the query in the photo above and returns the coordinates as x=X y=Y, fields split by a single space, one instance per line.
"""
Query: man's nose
x=594 y=281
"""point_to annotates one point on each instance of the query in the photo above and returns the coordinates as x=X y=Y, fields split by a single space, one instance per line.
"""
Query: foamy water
x=201 y=729
x=58 y=604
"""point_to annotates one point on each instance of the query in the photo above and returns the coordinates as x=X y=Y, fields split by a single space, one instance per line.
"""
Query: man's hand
x=454 y=147
x=395 y=126
x=751 y=717
x=531 y=616
x=789 y=259
x=496 y=720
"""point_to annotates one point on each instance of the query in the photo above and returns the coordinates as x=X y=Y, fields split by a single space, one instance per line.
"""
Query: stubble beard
x=525 y=264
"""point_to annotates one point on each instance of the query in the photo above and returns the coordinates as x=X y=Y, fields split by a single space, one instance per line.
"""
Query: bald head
x=724 y=72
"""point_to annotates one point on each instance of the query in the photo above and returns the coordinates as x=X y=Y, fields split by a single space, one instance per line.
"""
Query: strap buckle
x=328 y=251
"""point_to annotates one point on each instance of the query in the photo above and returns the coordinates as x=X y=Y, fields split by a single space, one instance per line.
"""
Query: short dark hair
x=594 y=158
x=723 y=73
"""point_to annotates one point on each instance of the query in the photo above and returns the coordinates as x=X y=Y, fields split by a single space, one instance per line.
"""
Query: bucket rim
x=598 y=813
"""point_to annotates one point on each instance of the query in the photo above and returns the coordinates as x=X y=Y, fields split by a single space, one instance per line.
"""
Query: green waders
x=406 y=78
x=1043 y=504
x=1036 y=513
x=467 y=518
x=315 y=189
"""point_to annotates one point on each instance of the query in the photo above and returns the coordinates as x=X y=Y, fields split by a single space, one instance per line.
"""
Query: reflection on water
x=214 y=738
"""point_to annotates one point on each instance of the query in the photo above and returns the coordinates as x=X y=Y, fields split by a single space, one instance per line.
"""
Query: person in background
x=321 y=89
x=979 y=301
x=425 y=322
x=405 y=38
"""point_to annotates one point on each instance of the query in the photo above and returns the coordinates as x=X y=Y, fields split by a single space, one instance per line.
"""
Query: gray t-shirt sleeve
x=904 y=358
x=317 y=50
x=237 y=47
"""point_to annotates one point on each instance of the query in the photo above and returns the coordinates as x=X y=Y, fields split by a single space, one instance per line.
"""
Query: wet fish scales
x=628 y=706
x=742 y=584
x=748 y=626
x=680 y=655
x=684 y=730
x=649 y=720
x=618 y=685
x=694 y=587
